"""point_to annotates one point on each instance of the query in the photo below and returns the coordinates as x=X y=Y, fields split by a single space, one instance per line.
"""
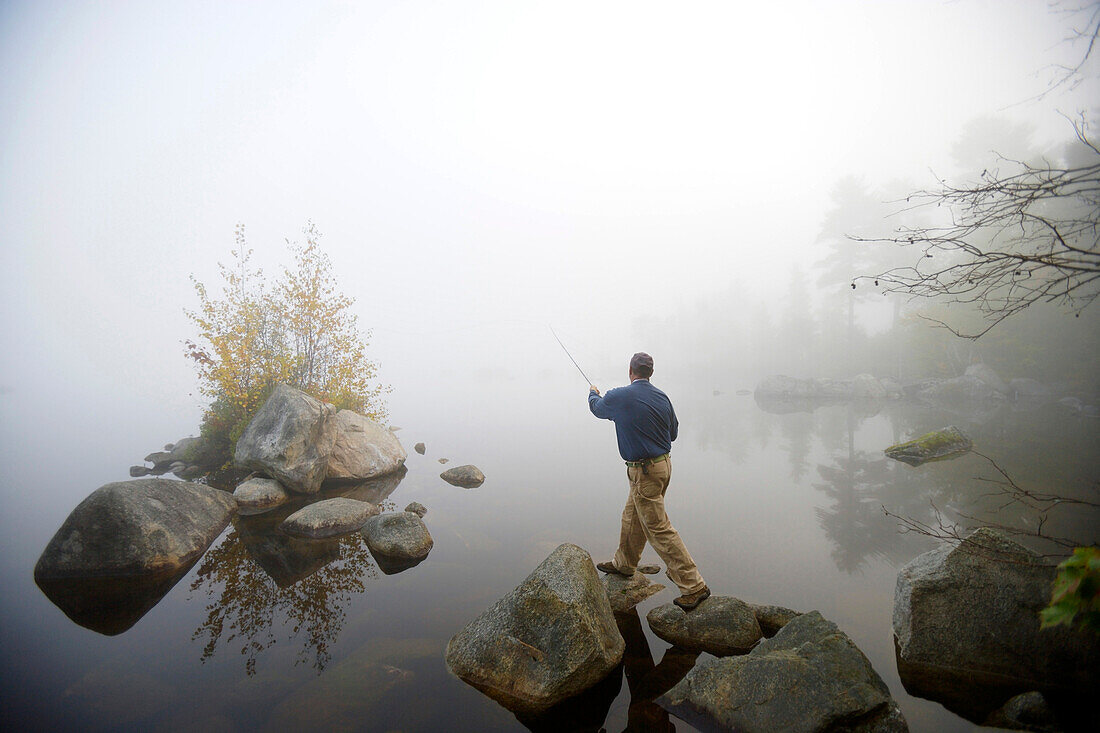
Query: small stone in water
x=419 y=448
x=444 y=460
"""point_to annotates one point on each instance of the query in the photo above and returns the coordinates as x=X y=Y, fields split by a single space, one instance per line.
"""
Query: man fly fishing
x=645 y=426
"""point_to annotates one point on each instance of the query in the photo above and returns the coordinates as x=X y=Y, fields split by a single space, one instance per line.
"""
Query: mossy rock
x=937 y=445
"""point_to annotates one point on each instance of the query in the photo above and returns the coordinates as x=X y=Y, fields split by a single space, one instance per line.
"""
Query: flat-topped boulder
x=328 y=518
x=626 y=593
x=362 y=449
x=809 y=677
x=551 y=638
x=258 y=495
x=720 y=625
x=468 y=477
x=937 y=445
x=289 y=439
x=398 y=535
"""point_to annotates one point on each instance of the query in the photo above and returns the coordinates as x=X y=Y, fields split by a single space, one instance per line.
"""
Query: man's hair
x=642 y=365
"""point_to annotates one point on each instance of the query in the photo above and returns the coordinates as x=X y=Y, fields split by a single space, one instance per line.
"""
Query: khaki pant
x=644 y=519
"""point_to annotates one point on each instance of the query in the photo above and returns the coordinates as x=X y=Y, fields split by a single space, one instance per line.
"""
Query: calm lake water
x=263 y=634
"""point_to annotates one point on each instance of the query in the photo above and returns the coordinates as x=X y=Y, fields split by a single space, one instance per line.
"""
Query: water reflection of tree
x=859 y=484
x=246 y=601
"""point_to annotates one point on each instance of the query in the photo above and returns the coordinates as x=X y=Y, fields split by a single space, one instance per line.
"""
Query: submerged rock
x=626 y=593
x=258 y=495
x=937 y=445
x=289 y=439
x=966 y=627
x=720 y=625
x=468 y=477
x=328 y=518
x=809 y=677
x=398 y=535
x=362 y=449
x=551 y=638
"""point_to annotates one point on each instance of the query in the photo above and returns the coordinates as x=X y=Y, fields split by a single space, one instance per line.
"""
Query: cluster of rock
x=555 y=636
x=967 y=631
x=979 y=385
x=185 y=458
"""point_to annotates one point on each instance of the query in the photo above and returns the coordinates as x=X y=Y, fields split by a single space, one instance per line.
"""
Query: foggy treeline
x=812 y=322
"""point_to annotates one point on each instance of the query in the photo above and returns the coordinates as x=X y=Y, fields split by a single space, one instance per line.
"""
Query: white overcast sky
x=475 y=167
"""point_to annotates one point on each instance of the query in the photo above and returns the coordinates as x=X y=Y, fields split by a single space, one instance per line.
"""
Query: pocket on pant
x=648 y=487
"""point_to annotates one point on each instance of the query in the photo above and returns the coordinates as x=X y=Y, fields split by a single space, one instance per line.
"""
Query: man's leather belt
x=647 y=461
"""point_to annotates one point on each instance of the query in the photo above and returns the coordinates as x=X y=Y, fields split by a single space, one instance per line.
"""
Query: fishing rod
x=571 y=357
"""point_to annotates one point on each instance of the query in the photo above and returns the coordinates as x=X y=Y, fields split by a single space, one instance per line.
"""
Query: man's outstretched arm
x=598 y=405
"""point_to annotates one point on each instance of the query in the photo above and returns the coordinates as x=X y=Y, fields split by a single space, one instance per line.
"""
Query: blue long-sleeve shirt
x=645 y=423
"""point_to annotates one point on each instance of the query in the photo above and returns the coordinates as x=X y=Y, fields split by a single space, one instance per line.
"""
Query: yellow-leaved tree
x=300 y=332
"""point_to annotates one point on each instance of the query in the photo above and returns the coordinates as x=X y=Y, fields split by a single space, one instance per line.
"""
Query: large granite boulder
x=141 y=527
x=808 y=677
x=362 y=448
x=987 y=375
x=125 y=546
x=937 y=445
x=626 y=593
x=552 y=637
x=398 y=535
x=966 y=626
x=289 y=439
x=328 y=518
x=258 y=495
x=720 y=625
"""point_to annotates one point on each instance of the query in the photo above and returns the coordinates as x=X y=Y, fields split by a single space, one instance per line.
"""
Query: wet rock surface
x=551 y=638
x=772 y=618
x=467 y=477
x=289 y=439
x=362 y=449
x=398 y=535
x=720 y=625
x=140 y=527
x=328 y=518
x=937 y=445
x=417 y=508
x=966 y=627
x=258 y=495
x=626 y=593
x=809 y=677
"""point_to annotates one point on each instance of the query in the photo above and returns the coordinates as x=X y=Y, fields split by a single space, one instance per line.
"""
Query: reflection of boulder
x=937 y=445
x=285 y=559
x=289 y=439
x=551 y=638
x=966 y=625
x=362 y=448
x=720 y=625
x=468 y=477
x=584 y=712
x=110 y=605
x=125 y=546
x=809 y=676
x=374 y=490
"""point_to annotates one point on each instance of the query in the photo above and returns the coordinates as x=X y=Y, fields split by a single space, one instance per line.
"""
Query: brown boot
x=609 y=567
x=691 y=600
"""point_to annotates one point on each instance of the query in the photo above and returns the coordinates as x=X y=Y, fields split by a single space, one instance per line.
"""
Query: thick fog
x=637 y=175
